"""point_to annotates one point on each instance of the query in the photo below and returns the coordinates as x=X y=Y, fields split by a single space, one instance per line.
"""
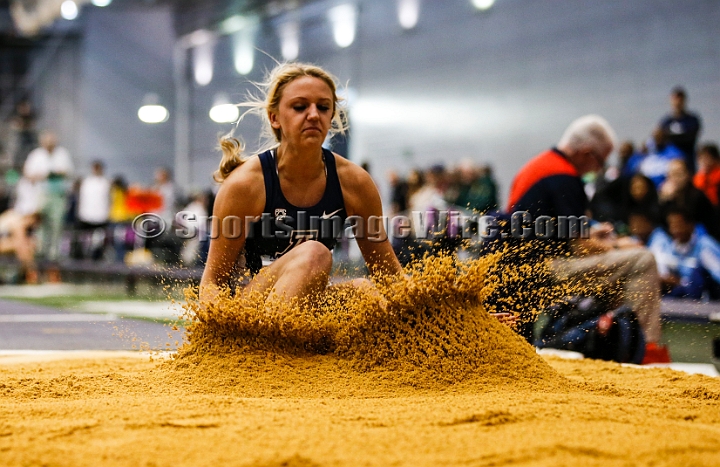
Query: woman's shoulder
x=352 y=175
x=249 y=172
x=243 y=191
x=245 y=183
x=357 y=185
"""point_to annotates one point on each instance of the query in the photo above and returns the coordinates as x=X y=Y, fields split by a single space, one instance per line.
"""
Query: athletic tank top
x=283 y=226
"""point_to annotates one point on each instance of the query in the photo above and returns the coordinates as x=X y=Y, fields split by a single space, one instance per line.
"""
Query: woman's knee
x=312 y=256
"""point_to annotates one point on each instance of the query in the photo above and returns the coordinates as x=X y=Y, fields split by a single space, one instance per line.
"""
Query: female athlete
x=296 y=196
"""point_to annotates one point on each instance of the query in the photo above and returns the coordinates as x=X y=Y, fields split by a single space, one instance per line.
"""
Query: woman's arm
x=241 y=196
x=363 y=199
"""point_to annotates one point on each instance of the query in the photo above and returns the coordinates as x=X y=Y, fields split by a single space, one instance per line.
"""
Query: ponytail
x=232 y=150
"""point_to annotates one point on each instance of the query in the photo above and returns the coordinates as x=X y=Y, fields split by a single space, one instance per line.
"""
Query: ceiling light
x=101 y=2
x=68 y=10
x=153 y=114
x=408 y=13
x=289 y=33
x=152 y=111
x=225 y=113
x=483 y=4
x=343 y=18
x=244 y=49
x=203 y=62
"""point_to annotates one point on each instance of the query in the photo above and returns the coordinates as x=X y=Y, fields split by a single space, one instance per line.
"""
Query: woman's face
x=678 y=172
x=705 y=162
x=638 y=188
x=305 y=112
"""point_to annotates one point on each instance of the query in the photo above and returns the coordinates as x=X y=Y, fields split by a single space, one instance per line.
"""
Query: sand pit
x=314 y=411
x=424 y=377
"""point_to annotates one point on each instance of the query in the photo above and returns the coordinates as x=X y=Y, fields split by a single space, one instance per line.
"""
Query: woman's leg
x=301 y=272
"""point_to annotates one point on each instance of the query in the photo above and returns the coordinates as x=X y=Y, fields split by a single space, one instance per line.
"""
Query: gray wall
x=57 y=71
x=126 y=54
x=497 y=87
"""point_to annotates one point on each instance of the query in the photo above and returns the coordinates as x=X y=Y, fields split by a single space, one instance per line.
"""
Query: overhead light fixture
x=101 y=3
x=244 y=47
x=223 y=111
x=202 y=55
x=408 y=13
x=69 y=10
x=343 y=20
x=233 y=24
x=151 y=110
x=198 y=37
x=483 y=4
x=289 y=33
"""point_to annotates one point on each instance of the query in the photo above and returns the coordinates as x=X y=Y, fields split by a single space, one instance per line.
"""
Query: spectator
x=707 y=178
x=625 y=195
x=688 y=258
x=551 y=185
x=607 y=202
x=641 y=226
x=678 y=192
x=16 y=238
x=398 y=192
x=165 y=187
x=49 y=168
x=630 y=158
x=165 y=247
x=659 y=154
x=93 y=209
x=476 y=189
x=120 y=218
x=432 y=194
x=24 y=135
x=682 y=127
x=195 y=219
x=18 y=225
x=415 y=181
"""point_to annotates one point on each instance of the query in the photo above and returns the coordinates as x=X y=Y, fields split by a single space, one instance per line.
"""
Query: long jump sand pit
x=430 y=379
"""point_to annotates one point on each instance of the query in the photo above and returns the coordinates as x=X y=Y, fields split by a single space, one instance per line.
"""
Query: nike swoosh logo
x=328 y=216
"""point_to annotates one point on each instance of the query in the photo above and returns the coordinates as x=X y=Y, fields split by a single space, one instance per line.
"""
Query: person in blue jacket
x=688 y=258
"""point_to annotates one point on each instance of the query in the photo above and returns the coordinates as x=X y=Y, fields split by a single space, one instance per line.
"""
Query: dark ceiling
x=190 y=15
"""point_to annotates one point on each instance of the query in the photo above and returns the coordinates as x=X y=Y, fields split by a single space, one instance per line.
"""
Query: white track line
x=14 y=357
x=56 y=318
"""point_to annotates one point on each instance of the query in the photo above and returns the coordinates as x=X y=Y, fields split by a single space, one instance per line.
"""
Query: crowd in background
x=50 y=213
x=663 y=192
x=665 y=195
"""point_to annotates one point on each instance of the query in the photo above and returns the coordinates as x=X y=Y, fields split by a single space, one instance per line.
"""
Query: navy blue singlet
x=283 y=226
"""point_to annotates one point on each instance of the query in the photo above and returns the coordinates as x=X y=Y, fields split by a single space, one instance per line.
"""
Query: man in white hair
x=551 y=185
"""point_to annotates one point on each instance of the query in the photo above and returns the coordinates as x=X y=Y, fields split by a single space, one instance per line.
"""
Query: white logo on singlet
x=328 y=216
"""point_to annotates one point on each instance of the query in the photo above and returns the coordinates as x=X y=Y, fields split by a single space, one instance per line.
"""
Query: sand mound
x=430 y=327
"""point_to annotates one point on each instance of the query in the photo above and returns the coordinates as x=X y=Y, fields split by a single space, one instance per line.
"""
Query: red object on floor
x=605 y=323
x=54 y=276
x=655 y=353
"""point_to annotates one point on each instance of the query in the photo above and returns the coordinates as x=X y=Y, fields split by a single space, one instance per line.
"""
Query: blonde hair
x=271 y=92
